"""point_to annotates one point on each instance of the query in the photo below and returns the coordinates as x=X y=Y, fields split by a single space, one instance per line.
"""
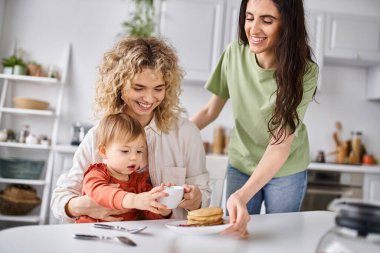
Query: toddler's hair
x=118 y=127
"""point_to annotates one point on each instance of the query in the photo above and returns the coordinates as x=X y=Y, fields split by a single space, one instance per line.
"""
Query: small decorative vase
x=3 y=135
x=8 y=70
x=19 y=70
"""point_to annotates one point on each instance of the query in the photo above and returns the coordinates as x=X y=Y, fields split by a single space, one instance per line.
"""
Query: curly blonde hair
x=121 y=64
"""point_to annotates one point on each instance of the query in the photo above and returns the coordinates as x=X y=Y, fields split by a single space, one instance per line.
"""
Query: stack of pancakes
x=205 y=217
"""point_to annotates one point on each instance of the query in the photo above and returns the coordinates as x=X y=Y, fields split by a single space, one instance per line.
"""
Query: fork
x=120 y=228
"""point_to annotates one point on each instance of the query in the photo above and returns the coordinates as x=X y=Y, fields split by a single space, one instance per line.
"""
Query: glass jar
x=356 y=148
x=320 y=157
x=24 y=133
x=357 y=229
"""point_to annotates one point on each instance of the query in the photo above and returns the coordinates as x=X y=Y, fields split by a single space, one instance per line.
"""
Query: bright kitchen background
x=44 y=27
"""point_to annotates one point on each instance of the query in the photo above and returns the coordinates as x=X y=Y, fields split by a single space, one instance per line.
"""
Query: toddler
x=122 y=180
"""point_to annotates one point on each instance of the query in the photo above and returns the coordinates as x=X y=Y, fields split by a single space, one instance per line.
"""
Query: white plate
x=204 y=230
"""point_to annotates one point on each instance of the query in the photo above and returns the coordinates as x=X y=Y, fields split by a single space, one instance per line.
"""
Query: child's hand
x=148 y=200
x=164 y=212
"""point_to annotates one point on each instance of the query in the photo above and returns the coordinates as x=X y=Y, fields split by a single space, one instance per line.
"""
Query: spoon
x=122 y=239
x=132 y=231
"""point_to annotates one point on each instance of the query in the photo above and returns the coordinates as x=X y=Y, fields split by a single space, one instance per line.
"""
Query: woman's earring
x=105 y=160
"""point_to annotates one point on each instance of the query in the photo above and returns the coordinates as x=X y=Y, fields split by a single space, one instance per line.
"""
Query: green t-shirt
x=251 y=89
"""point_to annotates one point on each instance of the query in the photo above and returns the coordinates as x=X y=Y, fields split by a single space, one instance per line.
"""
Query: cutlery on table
x=132 y=231
x=122 y=239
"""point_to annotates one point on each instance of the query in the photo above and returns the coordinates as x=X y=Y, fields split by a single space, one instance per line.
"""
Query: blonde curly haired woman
x=140 y=77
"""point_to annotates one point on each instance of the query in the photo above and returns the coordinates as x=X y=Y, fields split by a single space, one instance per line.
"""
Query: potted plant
x=142 y=20
x=14 y=65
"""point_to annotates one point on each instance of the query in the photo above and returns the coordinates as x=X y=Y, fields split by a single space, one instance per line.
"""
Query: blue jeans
x=280 y=195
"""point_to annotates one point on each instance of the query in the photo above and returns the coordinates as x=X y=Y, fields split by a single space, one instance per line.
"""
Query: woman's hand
x=192 y=197
x=239 y=216
x=83 y=205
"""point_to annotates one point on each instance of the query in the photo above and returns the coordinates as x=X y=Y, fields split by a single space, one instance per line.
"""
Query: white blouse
x=176 y=157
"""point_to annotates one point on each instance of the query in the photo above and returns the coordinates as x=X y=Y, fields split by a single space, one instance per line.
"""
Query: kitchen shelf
x=27 y=111
x=22 y=181
x=36 y=79
x=24 y=145
x=39 y=214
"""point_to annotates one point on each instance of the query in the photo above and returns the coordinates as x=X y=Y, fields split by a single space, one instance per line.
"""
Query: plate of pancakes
x=202 y=221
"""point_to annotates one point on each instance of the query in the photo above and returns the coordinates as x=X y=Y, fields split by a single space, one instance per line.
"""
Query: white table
x=290 y=232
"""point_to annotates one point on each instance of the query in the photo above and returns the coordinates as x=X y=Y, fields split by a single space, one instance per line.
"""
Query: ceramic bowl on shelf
x=27 y=103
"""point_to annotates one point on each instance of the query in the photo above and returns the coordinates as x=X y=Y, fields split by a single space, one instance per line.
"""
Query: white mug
x=174 y=198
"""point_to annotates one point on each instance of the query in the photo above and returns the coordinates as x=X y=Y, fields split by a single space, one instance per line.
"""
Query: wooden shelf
x=27 y=111
x=24 y=145
x=35 y=79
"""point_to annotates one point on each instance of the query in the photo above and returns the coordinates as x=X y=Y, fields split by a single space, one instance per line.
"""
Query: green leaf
x=141 y=22
x=13 y=61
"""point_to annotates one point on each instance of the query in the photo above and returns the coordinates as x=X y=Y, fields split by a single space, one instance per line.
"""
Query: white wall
x=43 y=27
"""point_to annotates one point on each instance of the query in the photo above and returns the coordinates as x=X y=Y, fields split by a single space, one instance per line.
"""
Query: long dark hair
x=293 y=55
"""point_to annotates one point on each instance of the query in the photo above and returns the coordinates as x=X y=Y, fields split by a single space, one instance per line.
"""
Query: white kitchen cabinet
x=373 y=83
x=352 y=39
x=39 y=120
x=315 y=28
x=371 y=189
x=195 y=29
x=232 y=22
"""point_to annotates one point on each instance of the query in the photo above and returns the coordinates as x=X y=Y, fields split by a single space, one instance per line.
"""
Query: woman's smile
x=145 y=106
x=256 y=40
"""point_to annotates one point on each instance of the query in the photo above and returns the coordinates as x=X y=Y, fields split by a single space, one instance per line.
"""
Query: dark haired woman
x=270 y=79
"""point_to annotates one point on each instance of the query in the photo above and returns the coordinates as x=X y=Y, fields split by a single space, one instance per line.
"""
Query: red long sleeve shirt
x=96 y=184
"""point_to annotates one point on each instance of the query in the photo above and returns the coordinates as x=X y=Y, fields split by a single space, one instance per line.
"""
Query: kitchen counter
x=271 y=233
x=371 y=169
